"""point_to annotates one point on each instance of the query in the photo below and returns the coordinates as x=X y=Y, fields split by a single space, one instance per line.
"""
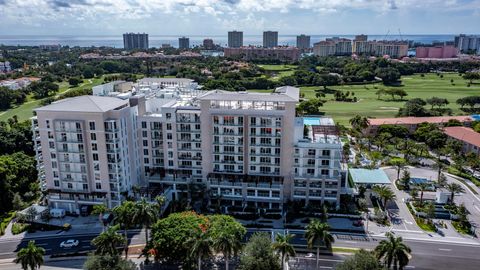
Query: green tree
x=100 y=210
x=422 y=187
x=317 y=233
x=74 y=81
x=393 y=251
x=200 y=247
x=228 y=245
x=108 y=262
x=160 y=201
x=283 y=246
x=385 y=193
x=258 y=254
x=454 y=188
x=405 y=180
x=31 y=256
x=144 y=213
x=359 y=122
x=361 y=260
x=107 y=242
x=123 y=215
x=471 y=76
x=399 y=164
x=310 y=107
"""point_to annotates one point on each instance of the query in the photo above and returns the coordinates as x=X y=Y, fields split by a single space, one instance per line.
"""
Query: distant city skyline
x=217 y=17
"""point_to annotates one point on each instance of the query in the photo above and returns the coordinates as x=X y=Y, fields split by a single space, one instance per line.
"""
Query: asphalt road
x=426 y=254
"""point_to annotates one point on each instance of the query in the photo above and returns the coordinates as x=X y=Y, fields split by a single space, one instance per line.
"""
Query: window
x=53 y=155
x=51 y=145
x=144 y=133
x=326 y=153
x=169 y=126
x=169 y=115
x=144 y=124
x=98 y=185
x=47 y=122
x=145 y=152
x=93 y=136
x=145 y=143
x=94 y=147
x=95 y=156
x=169 y=136
x=91 y=125
x=56 y=183
x=325 y=172
x=311 y=152
x=54 y=164
x=146 y=161
x=325 y=162
x=69 y=185
x=85 y=186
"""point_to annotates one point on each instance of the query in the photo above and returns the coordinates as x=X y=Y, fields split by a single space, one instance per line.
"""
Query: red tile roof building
x=469 y=137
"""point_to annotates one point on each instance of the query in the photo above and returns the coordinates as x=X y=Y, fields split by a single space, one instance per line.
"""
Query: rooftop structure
x=369 y=177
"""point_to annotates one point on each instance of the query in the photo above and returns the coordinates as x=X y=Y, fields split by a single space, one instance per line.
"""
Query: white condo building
x=244 y=149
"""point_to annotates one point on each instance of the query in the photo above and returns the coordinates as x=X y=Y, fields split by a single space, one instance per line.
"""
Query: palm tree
x=124 y=216
x=283 y=246
x=144 y=213
x=160 y=200
x=385 y=193
x=454 y=188
x=393 y=250
x=107 y=242
x=316 y=233
x=442 y=180
x=100 y=209
x=200 y=247
x=30 y=256
x=439 y=165
x=399 y=163
x=227 y=244
x=359 y=122
x=422 y=187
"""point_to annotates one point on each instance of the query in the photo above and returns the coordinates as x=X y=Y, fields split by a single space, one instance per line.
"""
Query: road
x=426 y=254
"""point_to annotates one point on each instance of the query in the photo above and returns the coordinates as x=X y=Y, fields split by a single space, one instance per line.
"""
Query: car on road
x=310 y=255
x=69 y=243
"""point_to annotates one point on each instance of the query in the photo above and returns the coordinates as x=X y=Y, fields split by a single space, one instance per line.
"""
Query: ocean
x=158 y=40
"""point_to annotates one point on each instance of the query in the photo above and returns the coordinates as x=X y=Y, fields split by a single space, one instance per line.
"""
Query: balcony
x=224 y=183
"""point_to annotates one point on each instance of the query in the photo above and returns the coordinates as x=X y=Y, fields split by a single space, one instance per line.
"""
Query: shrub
x=18 y=228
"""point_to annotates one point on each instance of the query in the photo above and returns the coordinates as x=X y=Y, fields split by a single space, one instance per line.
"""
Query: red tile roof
x=464 y=134
x=417 y=120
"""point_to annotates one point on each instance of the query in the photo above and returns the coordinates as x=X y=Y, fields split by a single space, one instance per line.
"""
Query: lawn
x=25 y=111
x=416 y=87
x=279 y=71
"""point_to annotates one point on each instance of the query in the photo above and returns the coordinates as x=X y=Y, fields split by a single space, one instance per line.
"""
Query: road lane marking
x=477 y=208
x=409 y=266
x=351 y=242
x=445 y=249
x=325 y=267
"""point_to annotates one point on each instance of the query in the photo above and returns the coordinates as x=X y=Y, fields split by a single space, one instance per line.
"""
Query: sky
x=216 y=17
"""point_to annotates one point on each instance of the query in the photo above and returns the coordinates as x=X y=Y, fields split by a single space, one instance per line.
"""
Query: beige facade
x=87 y=151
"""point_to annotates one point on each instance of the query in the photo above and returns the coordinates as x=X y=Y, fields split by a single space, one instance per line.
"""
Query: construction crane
x=386 y=35
x=400 y=32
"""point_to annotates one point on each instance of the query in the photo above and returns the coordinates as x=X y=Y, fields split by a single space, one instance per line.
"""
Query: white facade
x=243 y=149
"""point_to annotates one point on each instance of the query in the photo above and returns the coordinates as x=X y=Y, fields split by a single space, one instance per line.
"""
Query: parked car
x=69 y=243
x=310 y=255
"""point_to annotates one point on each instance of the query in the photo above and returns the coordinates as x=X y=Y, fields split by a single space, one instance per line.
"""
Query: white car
x=310 y=255
x=69 y=243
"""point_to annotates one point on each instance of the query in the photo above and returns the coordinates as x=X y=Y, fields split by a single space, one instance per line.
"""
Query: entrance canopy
x=369 y=177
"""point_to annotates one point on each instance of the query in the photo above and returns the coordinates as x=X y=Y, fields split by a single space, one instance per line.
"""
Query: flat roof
x=366 y=176
x=417 y=120
x=463 y=134
x=282 y=94
x=85 y=104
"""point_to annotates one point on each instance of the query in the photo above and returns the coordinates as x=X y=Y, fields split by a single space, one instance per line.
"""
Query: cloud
x=238 y=13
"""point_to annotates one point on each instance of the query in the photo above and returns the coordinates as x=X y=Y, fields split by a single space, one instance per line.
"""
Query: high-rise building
x=184 y=43
x=247 y=148
x=270 y=39
x=86 y=150
x=208 y=44
x=303 y=42
x=235 y=39
x=466 y=43
x=132 y=41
